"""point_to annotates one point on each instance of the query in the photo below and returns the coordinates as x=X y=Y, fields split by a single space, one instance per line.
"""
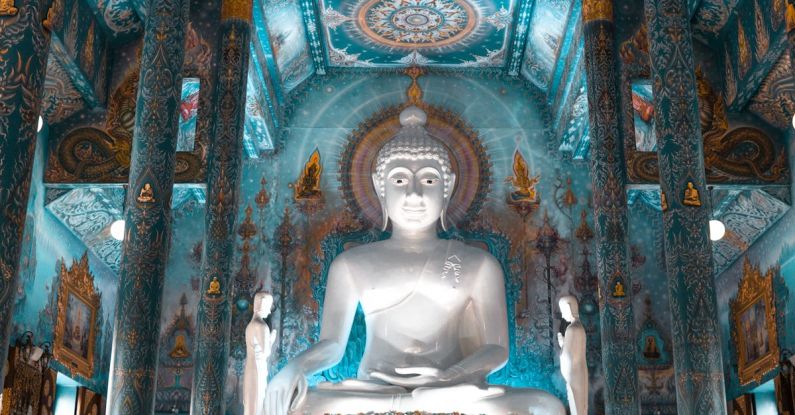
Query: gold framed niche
x=75 y=323
x=753 y=315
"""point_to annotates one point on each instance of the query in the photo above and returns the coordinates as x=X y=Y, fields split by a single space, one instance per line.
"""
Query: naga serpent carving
x=744 y=153
x=89 y=154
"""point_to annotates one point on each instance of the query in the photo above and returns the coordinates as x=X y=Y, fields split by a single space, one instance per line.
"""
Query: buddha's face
x=568 y=309
x=414 y=193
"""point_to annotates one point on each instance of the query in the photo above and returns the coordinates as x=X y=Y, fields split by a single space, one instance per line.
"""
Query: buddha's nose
x=414 y=189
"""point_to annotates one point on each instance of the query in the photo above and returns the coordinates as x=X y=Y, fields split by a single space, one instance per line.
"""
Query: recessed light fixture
x=40 y=125
x=716 y=230
x=117 y=230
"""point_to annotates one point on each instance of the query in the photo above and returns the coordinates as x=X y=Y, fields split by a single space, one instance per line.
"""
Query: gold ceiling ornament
x=7 y=8
x=75 y=325
x=692 y=197
x=597 y=10
x=236 y=9
x=753 y=314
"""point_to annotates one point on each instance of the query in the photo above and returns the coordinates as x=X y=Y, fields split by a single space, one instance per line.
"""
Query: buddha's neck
x=400 y=234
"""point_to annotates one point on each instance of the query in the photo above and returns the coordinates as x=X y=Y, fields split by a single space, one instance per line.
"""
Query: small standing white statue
x=259 y=340
x=573 y=365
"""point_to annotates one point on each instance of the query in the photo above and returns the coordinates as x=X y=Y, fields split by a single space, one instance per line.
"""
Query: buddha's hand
x=413 y=377
x=279 y=395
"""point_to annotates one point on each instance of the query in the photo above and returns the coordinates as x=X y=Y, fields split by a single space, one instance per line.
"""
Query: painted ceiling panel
x=775 y=100
x=286 y=33
x=547 y=28
x=117 y=17
x=60 y=98
x=367 y=33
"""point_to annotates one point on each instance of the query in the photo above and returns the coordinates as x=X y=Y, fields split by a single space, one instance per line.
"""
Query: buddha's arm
x=339 y=308
x=488 y=299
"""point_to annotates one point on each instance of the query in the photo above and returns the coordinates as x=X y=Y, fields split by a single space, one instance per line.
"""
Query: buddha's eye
x=399 y=181
x=430 y=181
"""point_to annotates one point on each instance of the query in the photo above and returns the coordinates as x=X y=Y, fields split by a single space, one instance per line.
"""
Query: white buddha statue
x=573 y=365
x=435 y=310
x=259 y=343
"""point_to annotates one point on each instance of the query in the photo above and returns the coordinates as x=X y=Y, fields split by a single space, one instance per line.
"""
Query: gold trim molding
x=597 y=10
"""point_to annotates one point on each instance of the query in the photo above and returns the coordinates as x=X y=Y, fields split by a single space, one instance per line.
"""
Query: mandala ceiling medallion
x=412 y=24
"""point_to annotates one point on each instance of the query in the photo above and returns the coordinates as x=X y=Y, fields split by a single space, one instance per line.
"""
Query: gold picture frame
x=753 y=314
x=75 y=324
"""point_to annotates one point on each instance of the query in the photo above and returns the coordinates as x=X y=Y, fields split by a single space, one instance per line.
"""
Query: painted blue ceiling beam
x=76 y=75
x=314 y=37
x=265 y=88
x=572 y=70
x=521 y=30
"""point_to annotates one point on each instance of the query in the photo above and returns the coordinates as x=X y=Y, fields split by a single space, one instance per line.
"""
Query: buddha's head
x=413 y=176
x=263 y=301
x=569 y=308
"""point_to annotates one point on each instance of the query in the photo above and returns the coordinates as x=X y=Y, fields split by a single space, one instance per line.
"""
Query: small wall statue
x=573 y=364
x=259 y=342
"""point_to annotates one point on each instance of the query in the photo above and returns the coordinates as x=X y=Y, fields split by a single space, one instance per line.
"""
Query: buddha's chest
x=438 y=283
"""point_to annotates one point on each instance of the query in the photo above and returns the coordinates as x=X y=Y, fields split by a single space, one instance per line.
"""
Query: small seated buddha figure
x=651 y=351
x=618 y=290
x=308 y=185
x=434 y=332
x=215 y=287
x=180 y=350
x=691 y=196
x=147 y=195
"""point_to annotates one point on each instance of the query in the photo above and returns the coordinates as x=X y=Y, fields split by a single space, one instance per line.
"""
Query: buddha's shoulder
x=471 y=254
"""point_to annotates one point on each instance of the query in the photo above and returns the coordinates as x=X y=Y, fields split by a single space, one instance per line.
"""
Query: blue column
x=211 y=349
x=610 y=211
x=147 y=215
x=24 y=44
x=688 y=251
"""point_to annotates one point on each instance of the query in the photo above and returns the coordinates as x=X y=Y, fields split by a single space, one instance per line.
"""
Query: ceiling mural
x=283 y=20
x=775 y=100
x=368 y=33
x=117 y=17
x=547 y=28
x=60 y=98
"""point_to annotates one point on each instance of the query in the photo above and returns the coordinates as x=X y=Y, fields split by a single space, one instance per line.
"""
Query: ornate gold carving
x=524 y=197
x=414 y=93
x=75 y=326
x=215 y=287
x=753 y=314
x=691 y=196
x=597 y=10
x=236 y=9
x=147 y=195
x=7 y=8
x=308 y=185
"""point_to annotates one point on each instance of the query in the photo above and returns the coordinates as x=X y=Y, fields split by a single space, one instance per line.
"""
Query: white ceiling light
x=40 y=125
x=793 y=120
x=716 y=230
x=117 y=230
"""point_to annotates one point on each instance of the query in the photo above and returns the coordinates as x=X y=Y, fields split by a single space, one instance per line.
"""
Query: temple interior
x=178 y=174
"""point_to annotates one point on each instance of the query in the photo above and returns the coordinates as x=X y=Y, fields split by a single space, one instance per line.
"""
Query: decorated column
x=24 y=44
x=610 y=211
x=147 y=238
x=688 y=252
x=211 y=349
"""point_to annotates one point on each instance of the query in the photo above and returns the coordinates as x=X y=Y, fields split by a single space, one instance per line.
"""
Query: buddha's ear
x=443 y=218
x=382 y=202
